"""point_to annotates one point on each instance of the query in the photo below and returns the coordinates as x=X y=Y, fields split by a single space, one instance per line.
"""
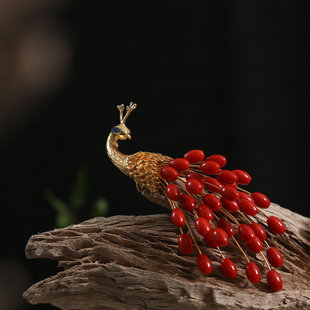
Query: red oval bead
x=224 y=224
x=261 y=200
x=204 y=211
x=179 y=164
x=204 y=264
x=185 y=244
x=229 y=268
x=227 y=177
x=213 y=185
x=259 y=231
x=172 y=192
x=274 y=257
x=243 y=177
x=248 y=207
x=274 y=280
x=169 y=174
x=255 y=244
x=232 y=185
x=245 y=232
x=210 y=167
x=195 y=175
x=220 y=236
x=209 y=240
x=194 y=186
x=187 y=202
x=212 y=201
x=195 y=156
x=230 y=205
x=253 y=273
x=230 y=193
x=202 y=226
x=243 y=195
x=220 y=159
x=177 y=217
x=276 y=225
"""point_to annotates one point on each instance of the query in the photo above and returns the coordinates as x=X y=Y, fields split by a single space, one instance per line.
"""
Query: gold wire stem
x=263 y=213
x=245 y=217
x=170 y=201
x=265 y=259
x=244 y=190
x=240 y=248
x=221 y=253
x=230 y=216
x=192 y=236
x=195 y=214
x=267 y=244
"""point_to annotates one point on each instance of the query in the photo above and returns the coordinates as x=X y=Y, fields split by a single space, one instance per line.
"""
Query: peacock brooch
x=199 y=187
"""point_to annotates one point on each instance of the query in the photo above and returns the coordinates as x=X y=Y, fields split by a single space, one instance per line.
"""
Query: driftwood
x=132 y=262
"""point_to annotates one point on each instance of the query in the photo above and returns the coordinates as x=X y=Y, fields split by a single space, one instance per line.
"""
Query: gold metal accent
x=143 y=167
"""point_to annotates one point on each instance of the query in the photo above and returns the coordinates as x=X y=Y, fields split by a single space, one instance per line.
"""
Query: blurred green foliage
x=71 y=212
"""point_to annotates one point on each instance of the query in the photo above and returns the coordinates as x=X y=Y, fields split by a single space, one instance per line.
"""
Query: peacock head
x=121 y=131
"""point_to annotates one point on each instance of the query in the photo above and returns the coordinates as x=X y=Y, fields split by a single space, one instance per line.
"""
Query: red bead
x=204 y=264
x=195 y=175
x=229 y=268
x=194 y=186
x=259 y=231
x=230 y=193
x=255 y=244
x=276 y=225
x=243 y=177
x=232 y=185
x=204 y=211
x=252 y=272
x=274 y=257
x=212 y=201
x=177 y=217
x=187 y=202
x=248 y=207
x=213 y=185
x=261 y=200
x=230 y=205
x=245 y=232
x=224 y=224
x=172 y=192
x=179 y=164
x=209 y=240
x=210 y=167
x=243 y=195
x=169 y=174
x=185 y=244
x=218 y=158
x=274 y=280
x=195 y=156
x=227 y=177
x=202 y=226
x=220 y=237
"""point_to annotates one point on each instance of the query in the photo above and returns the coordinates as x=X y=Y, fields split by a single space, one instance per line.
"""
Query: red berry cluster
x=212 y=194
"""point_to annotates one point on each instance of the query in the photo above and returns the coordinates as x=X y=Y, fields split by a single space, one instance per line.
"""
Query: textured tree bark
x=132 y=262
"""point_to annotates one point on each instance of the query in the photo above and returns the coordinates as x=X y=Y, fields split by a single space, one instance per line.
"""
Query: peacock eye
x=116 y=130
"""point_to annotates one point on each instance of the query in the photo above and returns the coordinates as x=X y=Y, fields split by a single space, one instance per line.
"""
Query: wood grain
x=132 y=262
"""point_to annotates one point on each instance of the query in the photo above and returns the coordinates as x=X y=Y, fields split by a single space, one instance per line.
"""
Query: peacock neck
x=118 y=159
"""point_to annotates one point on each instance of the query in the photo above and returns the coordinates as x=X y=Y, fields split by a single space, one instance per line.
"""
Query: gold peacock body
x=198 y=187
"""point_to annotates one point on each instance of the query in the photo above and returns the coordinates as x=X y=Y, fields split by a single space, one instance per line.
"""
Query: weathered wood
x=132 y=262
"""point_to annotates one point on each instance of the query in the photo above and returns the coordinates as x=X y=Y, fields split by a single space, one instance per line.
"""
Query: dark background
x=227 y=78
